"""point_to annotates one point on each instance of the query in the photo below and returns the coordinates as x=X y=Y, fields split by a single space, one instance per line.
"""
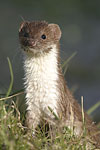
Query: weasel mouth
x=29 y=49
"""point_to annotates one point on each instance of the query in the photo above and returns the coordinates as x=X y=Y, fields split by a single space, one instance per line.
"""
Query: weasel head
x=38 y=36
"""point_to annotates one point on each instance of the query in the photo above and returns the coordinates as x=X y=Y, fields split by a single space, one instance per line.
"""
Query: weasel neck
x=41 y=76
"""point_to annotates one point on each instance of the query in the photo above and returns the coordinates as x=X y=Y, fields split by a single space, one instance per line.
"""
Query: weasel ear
x=22 y=25
x=56 y=31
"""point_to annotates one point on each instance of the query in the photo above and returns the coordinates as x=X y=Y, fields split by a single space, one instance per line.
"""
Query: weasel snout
x=29 y=43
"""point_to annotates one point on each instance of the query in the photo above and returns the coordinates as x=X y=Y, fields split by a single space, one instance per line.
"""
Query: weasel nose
x=31 y=43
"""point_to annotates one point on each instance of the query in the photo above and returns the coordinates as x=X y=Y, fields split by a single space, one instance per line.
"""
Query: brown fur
x=67 y=104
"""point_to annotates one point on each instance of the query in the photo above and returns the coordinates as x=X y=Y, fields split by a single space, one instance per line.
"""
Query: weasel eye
x=43 y=36
x=26 y=34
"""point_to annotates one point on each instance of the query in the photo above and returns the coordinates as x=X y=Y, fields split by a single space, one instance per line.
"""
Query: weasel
x=44 y=82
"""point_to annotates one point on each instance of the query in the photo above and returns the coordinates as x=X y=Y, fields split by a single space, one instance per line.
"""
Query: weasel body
x=40 y=82
x=44 y=82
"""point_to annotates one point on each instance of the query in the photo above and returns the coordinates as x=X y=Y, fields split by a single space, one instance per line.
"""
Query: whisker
x=22 y=18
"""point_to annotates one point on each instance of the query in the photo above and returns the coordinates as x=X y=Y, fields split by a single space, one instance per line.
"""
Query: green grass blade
x=93 y=108
x=68 y=60
x=12 y=78
x=65 y=70
x=56 y=117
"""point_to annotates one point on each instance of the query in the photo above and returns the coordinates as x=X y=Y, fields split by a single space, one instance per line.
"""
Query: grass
x=15 y=136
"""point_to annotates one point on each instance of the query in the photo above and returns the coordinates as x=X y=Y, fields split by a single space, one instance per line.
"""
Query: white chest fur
x=41 y=81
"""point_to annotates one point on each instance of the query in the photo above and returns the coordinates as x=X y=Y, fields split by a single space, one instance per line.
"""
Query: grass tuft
x=15 y=136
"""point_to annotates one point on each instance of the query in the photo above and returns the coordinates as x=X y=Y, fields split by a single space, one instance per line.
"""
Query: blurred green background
x=80 y=25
